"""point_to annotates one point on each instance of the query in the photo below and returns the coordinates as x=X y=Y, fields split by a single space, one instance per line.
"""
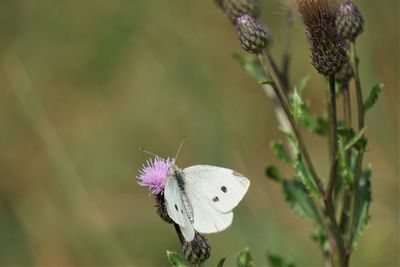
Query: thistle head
x=162 y=209
x=154 y=174
x=253 y=34
x=349 y=20
x=327 y=47
x=345 y=74
x=196 y=251
x=236 y=8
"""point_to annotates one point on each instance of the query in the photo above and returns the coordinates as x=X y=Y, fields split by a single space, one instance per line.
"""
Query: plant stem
x=334 y=136
x=296 y=131
x=361 y=121
x=344 y=217
x=274 y=72
x=335 y=231
x=286 y=54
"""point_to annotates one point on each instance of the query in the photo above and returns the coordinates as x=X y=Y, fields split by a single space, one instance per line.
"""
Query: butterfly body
x=202 y=197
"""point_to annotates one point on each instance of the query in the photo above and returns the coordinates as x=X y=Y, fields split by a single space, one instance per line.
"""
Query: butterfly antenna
x=148 y=152
x=180 y=146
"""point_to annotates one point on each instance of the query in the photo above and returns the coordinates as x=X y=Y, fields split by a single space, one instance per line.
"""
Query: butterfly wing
x=206 y=219
x=222 y=188
x=176 y=209
x=206 y=184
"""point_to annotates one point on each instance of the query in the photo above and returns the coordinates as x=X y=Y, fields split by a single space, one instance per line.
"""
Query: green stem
x=344 y=217
x=274 y=72
x=338 y=249
x=334 y=137
x=361 y=122
x=277 y=89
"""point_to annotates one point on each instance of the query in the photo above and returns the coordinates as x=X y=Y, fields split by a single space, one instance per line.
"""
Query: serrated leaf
x=244 y=259
x=221 y=262
x=373 y=96
x=316 y=125
x=275 y=260
x=274 y=173
x=345 y=167
x=280 y=151
x=321 y=238
x=301 y=85
x=252 y=66
x=175 y=259
x=357 y=140
x=299 y=200
x=297 y=105
x=305 y=176
x=361 y=213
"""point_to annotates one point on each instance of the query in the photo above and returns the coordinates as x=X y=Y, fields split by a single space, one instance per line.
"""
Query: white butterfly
x=201 y=198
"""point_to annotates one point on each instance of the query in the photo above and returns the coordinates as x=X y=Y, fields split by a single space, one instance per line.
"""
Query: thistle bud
x=196 y=251
x=161 y=209
x=236 y=8
x=345 y=74
x=349 y=20
x=252 y=33
x=327 y=47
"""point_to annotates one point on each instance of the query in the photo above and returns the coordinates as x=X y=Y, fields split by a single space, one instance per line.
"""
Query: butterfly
x=201 y=198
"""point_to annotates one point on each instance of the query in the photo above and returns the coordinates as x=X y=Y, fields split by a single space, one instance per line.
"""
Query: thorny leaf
x=252 y=66
x=299 y=200
x=280 y=151
x=373 y=96
x=362 y=215
x=175 y=259
x=275 y=260
x=274 y=173
x=244 y=259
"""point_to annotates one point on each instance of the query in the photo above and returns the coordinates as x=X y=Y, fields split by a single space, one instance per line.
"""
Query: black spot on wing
x=224 y=189
x=176 y=207
x=215 y=199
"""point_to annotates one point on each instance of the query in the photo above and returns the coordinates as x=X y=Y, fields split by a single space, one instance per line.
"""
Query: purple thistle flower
x=154 y=174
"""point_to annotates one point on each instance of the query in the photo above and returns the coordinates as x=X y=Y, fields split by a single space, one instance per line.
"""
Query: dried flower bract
x=327 y=52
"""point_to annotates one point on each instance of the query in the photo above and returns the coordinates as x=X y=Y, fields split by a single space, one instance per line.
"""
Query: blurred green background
x=85 y=83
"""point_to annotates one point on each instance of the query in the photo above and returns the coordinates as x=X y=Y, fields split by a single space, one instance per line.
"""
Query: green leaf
x=175 y=259
x=280 y=152
x=244 y=259
x=321 y=238
x=221 y=262
x=373 y=96
x=345 y=167
x=361 y=213
x=297 y=105
x=270 y=82
x=252 y=66
x=318 y=125
x=357 y=140
x=299 y=200
x=275 y=260
x=301 y=85
x=274 y=173
x=305 y=176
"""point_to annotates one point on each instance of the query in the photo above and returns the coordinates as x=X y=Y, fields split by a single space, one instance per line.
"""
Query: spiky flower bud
x=345 y=74
x=349 y=20
x=161 y=208
x=252 y=33
x=196 y=251
x=326 y=45
x=236 y=8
